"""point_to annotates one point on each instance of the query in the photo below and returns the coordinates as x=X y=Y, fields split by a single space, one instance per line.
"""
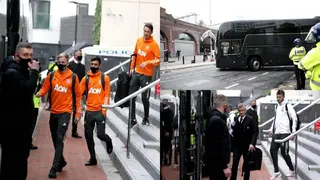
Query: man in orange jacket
x=141 y=69
x=65 y=92
x=97 y=93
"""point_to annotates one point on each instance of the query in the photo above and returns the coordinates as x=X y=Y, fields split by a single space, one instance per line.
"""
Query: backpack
x=123 y=86
x=290 y=119
x=87 y=83
x=74 y=76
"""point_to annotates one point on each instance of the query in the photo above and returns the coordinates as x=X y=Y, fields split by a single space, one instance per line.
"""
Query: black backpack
x=291 y=121
x=123 y=86
x=74 y=76
x=87 y=83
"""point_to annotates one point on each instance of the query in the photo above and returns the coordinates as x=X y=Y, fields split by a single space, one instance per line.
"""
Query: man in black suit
x=245 y=132
x=252 y=111
x=78 y=68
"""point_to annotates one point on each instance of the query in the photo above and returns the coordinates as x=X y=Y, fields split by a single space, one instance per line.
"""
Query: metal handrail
x=117 y=67
x=299 y=112
x=271 y=119
x=111 y=106
x=130 y=97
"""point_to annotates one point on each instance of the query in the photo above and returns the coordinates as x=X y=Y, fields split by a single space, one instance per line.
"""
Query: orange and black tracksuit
x=61 y=109
x=147 y=51
x=96 y=97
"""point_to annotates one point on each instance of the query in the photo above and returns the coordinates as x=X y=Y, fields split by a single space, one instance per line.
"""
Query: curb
x=184 y=66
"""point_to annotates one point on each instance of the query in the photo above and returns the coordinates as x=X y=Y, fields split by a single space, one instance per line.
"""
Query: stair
x=144 y=163
x=308 y=154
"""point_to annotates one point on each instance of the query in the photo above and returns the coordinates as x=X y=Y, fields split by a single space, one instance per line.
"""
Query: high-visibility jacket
x=311 y=62
x=296 y=54
x=53 y=64
x=36 y=100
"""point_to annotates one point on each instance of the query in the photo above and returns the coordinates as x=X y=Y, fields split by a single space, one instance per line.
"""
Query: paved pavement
x=290 y=84
x=209 y=77
x=169 y=172
x=75 y=152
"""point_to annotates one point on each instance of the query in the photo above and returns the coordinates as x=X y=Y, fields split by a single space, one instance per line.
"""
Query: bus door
x=231 y=53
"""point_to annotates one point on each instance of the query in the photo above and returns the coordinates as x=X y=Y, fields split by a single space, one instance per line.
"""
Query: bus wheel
x=255 y=64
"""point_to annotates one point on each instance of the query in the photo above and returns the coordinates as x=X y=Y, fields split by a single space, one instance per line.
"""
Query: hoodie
x=217 y=142
x=96 y=95
x=147 y=51
x=16 y=96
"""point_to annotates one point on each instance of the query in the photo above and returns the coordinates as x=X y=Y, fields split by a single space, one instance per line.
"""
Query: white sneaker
x=290 y=174
x=275 y=176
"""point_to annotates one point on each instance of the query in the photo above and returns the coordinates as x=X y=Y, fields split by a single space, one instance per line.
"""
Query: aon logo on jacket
x=60 y=89
x=94 y=91
x=142 y=53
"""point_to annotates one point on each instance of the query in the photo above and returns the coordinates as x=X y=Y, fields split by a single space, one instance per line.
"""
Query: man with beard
x=19 y=75
x=217 y=140
x=78 y=68
x=166 y=120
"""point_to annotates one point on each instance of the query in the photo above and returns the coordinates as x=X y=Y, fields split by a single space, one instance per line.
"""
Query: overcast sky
x=226 y=10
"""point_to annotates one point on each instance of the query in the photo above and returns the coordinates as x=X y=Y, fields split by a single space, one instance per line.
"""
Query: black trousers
x=15 y=153
x=74 y=125
x=165 y=149
x=284 y=151
x=92 y=118
x=216 y=173
x=237 y=153
x=58 y=127
x=35 y=117
x=137 y=81
x=300 y=77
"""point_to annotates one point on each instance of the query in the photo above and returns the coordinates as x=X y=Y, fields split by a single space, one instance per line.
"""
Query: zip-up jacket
x=61 y=92
x=147 y=51
x=96 y=95
x=296 y=54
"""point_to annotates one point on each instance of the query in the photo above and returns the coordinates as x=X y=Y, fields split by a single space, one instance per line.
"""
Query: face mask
x=254 y=106
x=94 y=70
x=79 y=58
x=61 y=67
x=24 y=62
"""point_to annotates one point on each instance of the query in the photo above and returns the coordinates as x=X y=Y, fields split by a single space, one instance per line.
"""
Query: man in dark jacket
x=78 y=68
x=166 y=119
x=245 y=132
x=16 y=95
x=252 y=111
x=217 y=140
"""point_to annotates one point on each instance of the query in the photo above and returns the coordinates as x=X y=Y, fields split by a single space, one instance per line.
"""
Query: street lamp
x=76 y=21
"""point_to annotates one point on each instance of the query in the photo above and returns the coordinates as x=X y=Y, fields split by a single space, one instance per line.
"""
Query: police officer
x=310 y=62
x=296 y=54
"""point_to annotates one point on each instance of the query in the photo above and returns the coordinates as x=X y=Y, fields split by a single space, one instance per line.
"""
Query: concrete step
x=154 y=116
x=148 y=158
x=311 y=136
x=129 y=169
x=148 y=133
x=308 y=154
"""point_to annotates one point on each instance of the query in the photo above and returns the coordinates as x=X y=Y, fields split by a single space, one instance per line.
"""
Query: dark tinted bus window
x=226 y=30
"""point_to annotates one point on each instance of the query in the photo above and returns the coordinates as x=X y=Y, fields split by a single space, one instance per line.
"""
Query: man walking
x=166 y=134
x=96 y=85
x=217 y=140
x=142 y=66
x=19 y=75
x=65 y=92
x=78 y=68
x=245 y=133
x=296 y=54
x=280 y=129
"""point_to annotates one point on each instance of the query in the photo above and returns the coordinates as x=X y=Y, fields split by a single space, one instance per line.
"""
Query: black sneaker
x=76 y=135
x=133 y=123
x=109 y=146
x=145 y=121
x=62 y=165
x=33 y=147
x=52 y=173
x=91 y=162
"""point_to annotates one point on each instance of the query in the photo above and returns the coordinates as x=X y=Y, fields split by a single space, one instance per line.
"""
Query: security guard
x=311 y=62
x=296 y=54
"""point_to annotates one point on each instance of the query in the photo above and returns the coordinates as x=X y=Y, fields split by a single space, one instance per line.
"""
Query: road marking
x=232 y=86
x=252 y=78
x=265 y=73
x=196 y=83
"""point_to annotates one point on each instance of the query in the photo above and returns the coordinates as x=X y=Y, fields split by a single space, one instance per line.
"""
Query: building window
x=41 y=14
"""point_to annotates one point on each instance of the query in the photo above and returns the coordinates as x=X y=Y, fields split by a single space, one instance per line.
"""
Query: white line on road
x=265 y=73
x=232 y=86
x=196 y=83
x=252 y=78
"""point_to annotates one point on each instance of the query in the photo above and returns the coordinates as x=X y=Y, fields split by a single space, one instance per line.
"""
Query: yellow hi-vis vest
x=311 y=62
x=52 y=64
x=36 y=101
x=296 y=54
